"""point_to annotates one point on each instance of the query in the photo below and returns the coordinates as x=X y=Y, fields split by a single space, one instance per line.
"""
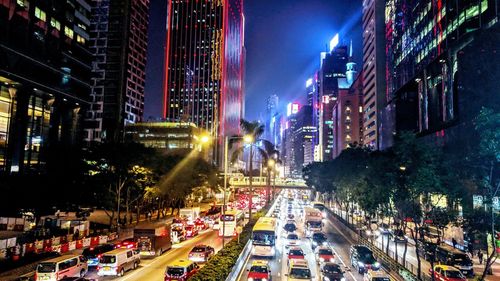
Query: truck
x=152 y=239
x=313 y=220
x=189 y=214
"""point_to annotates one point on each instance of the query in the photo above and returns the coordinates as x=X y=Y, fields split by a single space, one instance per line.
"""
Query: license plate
x=107 y=268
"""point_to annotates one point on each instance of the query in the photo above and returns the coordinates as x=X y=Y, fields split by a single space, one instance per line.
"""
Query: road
x=337 y=239
x=154 y=269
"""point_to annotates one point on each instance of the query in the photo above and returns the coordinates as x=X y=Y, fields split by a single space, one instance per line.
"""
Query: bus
x=313 y=220
x=229 y=222
x=264 y=237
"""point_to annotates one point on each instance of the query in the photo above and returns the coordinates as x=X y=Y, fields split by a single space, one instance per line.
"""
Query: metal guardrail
x=240 y=263
x=257 y=181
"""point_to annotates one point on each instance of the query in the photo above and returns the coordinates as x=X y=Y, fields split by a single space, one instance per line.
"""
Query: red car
x=180 y=270
x=324 y=254
x=259 y=271
x=295 y=253
x=191 y=231
x=447 y=273
x=200 y=224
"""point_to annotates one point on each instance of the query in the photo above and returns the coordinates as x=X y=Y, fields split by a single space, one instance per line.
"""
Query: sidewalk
x=479 y=268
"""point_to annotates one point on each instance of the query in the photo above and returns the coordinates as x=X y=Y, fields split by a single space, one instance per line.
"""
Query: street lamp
x=205 y=139
x=271 y=164
x=248 y=139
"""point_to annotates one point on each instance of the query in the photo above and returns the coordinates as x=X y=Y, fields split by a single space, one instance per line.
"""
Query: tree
x=252 y=133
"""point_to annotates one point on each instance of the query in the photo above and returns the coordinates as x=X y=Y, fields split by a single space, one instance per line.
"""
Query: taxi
x=447 y=273
x=259 y=271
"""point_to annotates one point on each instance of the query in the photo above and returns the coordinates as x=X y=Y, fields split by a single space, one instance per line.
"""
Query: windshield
x=107 y=259
x=300 y=273
x=198 y=249
x=258 y=269
x=293 y=237
x=263 y=238
x=315 y=224
x=46 y=267
x=381 y=279
x=319 y=236
x=296 y=253
x=320 y=207
x=453 y=274
x=325 y=252
x=461 y=259
x=175 y=271
x=227 y=218
x=331 y=268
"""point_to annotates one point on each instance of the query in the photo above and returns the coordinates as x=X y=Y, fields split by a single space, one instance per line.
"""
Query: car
x=295 y=253
x=180 y=270
x=324 y=254
x=330 y=271
x=93 y=254
x=384 y=229
x=259 y=271
x=292 y=239
x=290 y=227
x=362 y=259
x=191 y=231
x=318 y=239
x=378 y=275
x=118 y=261
x=398 y=236
x=216 y=225
x=298 y=270
x=201 y=224
x=450 y=256
x=447 y=273
x=201 y=253
x=128 y=243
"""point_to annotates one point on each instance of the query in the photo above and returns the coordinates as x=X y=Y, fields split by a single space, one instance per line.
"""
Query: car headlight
x=332 y=259
x=250 y=279
x=264 y=279
x=342 y=279
x=325 y=243
x=326 y=279
x=360 y=264
x=315 y=243
x=321 y=259
x=377 y=264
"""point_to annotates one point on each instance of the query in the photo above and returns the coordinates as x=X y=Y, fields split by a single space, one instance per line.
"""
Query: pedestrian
x=454 y=242
x=480 y=256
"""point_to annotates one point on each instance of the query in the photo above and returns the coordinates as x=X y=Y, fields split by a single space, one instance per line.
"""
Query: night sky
x=283 y=40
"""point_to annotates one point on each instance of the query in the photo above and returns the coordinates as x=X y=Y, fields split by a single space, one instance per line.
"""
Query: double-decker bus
x=229 y=221
x=264 y=237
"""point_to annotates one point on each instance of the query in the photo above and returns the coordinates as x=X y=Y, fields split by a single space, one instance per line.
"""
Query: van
x=298 y=270
x=116 y=262
x=61 y=267
x=451 y=256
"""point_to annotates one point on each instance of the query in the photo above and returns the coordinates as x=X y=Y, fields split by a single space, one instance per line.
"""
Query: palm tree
x=271 y=154
x=252 y=133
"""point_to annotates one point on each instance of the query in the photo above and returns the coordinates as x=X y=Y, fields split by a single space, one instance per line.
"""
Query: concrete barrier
x=240 y=263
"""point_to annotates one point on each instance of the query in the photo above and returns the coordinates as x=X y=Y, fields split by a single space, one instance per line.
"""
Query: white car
x=292 y=239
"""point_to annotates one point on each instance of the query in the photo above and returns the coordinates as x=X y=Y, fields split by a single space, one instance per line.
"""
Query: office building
x=45 y=82
x=347 y=117
x=119 y=41
x=333 y=68
x=166 y=136
x=204 y=64
x=374 y=71
x=270 y=119
x=443 y=54
x=303 y=140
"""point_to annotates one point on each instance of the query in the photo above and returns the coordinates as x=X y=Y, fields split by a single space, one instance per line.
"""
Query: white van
x=116 y=262
x=61 y=267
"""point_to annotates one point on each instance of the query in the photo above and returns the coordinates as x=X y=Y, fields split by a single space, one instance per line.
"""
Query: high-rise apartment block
x=374 y=88
x=119 y=41
x=204 y=64
x=44 y=82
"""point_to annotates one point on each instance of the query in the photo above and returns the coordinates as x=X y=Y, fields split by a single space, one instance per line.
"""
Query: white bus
x=229 y=222
x=313 y=220
x=264 y=237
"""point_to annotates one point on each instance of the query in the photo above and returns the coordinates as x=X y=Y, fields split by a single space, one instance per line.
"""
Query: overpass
x=262 y=182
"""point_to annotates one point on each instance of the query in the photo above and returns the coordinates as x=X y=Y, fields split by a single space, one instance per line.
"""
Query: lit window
x=68 y=32
x=40 y=14
x=360 y=109
x=82 y=26
x=21 y=3
x=80 y=39
x=55 y=24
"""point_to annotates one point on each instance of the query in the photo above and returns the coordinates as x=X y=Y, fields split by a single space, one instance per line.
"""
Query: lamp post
x=271 y=164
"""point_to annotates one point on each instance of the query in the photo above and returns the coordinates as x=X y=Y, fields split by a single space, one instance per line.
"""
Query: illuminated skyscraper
x=204 y=60
x=374 y=68
x=119 y=38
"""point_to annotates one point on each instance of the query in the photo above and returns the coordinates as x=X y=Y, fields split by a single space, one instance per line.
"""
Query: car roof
x=180 y=263
x=377 y=273
x=61 y=258
x=259 y=263
x=295 y=248
x=446 y=267
x=325 y=248
x=298 y=263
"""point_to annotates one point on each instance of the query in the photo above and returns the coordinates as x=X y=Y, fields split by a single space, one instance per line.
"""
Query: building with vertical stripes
x=204 y=61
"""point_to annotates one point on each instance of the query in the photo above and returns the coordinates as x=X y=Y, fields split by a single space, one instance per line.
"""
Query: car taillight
x=36 y=275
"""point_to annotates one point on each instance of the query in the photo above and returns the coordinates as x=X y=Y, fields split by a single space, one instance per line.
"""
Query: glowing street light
x=248 y=139
x=205 y=139
x=402 y=168
x=271 y=162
